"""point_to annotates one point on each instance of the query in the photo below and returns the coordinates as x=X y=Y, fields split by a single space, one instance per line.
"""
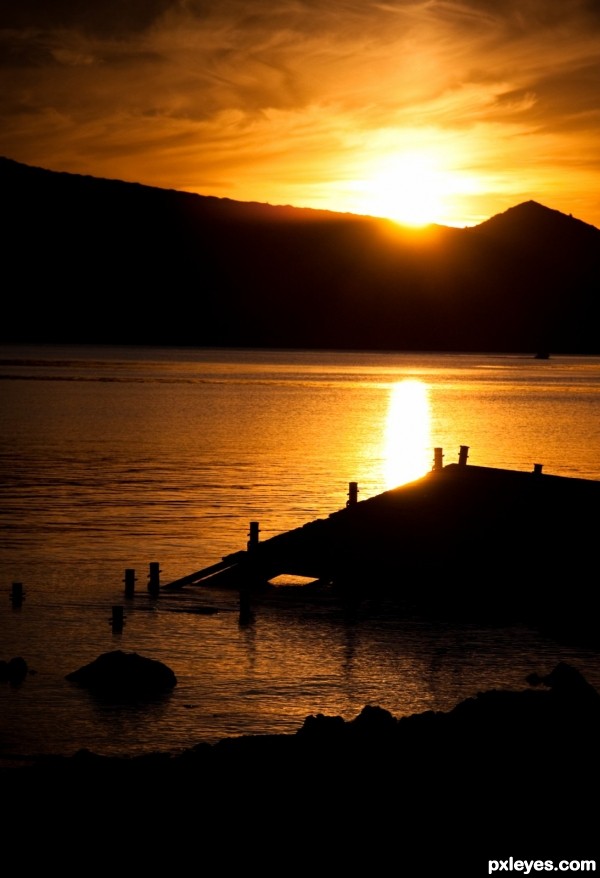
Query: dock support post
x=352 y=493
x=438 y=457
x=154 y=578
x=463 y=454
x=250 y=576
x=246 y=616
x=16 y=594
x=254 y=531
x=117 y=618
x=129 y=582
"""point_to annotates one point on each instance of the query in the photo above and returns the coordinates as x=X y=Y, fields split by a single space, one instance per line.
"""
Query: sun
x=417 y=186
x=423 y=180
x=409 y=188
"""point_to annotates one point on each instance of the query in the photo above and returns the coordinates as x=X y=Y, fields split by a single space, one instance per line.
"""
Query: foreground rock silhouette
x=553 y=724
x=502 y=774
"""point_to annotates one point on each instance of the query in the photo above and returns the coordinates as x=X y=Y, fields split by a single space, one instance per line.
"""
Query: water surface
x=113 y=458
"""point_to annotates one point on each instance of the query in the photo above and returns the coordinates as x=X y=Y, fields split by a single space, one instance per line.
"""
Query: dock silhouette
x=494 y=542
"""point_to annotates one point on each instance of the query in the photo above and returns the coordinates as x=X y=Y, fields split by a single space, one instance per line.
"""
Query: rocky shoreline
x=537 y=728
x=503 y=773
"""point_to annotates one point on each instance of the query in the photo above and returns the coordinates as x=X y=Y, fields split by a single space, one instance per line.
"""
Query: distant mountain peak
x=243 y=274
x=526 y=210
x=532 y=218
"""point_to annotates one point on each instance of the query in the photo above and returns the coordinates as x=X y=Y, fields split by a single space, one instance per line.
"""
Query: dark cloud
x=523 y=16
x=18 y=51
x=101 y=18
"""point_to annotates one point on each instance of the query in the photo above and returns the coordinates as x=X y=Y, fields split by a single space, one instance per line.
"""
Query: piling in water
x=117 y=618
x=129 y=582
x=154 y=578
x=17 y=594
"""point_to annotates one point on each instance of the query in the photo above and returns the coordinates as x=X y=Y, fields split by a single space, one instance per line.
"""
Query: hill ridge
x=164 y=267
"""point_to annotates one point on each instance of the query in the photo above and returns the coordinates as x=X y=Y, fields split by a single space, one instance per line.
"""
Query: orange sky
x=423 y=110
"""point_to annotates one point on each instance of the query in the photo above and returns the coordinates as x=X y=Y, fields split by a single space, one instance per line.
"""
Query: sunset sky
x=421 y=110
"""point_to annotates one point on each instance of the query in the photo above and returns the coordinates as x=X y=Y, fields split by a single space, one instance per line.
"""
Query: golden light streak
x=407 y=440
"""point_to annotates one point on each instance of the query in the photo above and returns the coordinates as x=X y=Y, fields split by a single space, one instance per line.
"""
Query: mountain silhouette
x=89 y=260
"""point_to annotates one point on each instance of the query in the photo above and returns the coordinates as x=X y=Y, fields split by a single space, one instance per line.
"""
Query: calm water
x=117 y=458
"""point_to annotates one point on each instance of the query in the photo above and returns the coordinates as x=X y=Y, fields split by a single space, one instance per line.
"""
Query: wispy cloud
x=278 y=100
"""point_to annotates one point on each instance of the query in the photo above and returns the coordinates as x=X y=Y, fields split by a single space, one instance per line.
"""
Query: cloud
x=102 y=18
x=220 y=92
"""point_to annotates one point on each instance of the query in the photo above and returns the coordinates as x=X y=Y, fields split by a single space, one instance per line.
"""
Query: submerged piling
x=129 y=582
x=154 y=578
x=17 y=594
x=117 y=619
x=246 y=616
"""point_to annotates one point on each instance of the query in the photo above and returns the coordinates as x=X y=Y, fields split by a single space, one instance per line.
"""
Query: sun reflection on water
x=407 y=439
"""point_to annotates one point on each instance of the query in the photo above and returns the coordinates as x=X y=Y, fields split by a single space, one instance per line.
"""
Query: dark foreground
x=504 y=774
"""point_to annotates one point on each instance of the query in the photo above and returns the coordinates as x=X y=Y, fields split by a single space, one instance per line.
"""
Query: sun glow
x=409 y=190
x=408 y=433
x=415 y=188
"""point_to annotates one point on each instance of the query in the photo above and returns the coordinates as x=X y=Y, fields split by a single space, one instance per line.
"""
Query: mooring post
x=154 y=578
x=352 y=494
x=253 y=534
x=246 y=616
x=17 y=593
x=463 y=454
x=250 y=576
x=438 y=457
x=117 y=618
x=537 y=468
x=129 y=582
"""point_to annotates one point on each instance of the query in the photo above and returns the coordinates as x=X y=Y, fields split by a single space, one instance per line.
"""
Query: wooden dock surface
x=461 y=536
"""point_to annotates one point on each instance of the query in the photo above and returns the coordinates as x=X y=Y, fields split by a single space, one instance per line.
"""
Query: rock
x=567 y=681
x=374 y=720
x=14 y=670
x=322 y=727
x=124 y=674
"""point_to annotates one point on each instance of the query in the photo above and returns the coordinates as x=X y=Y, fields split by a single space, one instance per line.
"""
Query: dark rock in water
x=14 y=670
x=125 y=675
x=17 y=669
x=567 y=681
